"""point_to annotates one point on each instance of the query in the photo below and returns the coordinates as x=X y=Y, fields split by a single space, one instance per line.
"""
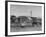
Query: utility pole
x=31 y=13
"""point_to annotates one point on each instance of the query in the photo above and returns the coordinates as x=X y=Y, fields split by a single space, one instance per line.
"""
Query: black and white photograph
x=25 y=18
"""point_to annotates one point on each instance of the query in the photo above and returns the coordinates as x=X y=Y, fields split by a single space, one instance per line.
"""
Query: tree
x=13 y=19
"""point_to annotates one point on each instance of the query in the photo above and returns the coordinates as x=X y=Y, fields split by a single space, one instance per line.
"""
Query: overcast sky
x=25 y=10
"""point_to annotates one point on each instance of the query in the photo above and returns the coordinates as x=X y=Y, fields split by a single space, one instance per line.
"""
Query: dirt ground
x=20 y=29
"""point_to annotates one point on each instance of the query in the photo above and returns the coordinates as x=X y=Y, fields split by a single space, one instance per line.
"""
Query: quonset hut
x=22 y=21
